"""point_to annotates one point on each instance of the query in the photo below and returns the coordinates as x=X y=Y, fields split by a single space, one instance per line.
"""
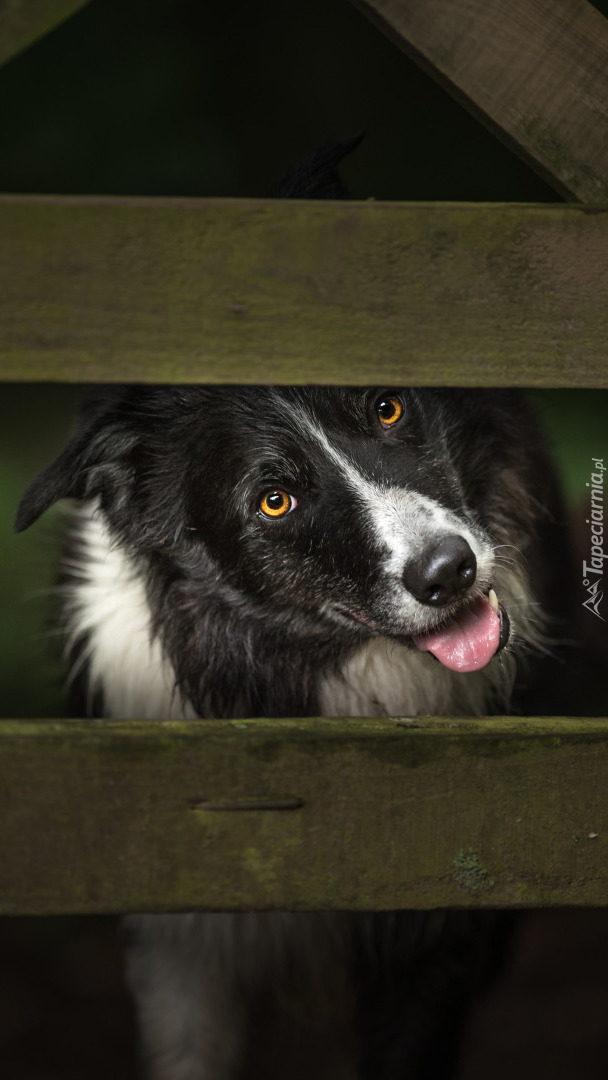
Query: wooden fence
x=319 y=813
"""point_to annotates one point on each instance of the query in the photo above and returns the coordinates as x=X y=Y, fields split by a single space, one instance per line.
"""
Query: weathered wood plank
x=302 y=814
x=295 y=292
x=22 y=22
x=534 y=71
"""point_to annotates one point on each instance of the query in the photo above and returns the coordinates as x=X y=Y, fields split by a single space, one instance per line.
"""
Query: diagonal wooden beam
x=534 y=71
x=22 y=22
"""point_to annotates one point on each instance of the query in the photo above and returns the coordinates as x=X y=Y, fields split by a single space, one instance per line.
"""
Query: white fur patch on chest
x=107 y=602
x=384 y=678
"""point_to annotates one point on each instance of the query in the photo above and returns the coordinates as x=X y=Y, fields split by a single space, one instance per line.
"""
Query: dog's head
x=349 y=512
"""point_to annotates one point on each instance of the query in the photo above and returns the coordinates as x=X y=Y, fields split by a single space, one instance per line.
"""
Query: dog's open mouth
x=477 y=633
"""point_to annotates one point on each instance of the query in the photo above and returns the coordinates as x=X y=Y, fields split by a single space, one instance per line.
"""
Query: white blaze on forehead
x=403 y=520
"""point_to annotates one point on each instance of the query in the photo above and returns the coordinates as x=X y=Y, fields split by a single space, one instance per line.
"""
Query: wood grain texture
x=534 y=71
x=22 y=22
x=169 y=290
x=302 y=814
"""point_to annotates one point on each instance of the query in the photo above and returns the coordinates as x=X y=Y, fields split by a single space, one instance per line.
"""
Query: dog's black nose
x=442 y=571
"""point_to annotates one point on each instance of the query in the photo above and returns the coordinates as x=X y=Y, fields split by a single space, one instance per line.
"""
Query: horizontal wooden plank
x=299 y=292
x=534 y=71
x=302 y=814
x=22 y=22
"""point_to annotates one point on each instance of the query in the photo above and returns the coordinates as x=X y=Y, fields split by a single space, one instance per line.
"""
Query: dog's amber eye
x=389 y=410
x=276 y=504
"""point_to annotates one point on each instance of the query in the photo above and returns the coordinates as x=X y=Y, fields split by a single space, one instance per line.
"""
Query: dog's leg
x=189 y=1018
x=242 y=997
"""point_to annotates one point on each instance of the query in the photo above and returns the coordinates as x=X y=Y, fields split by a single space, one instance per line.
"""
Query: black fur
x=316 y=176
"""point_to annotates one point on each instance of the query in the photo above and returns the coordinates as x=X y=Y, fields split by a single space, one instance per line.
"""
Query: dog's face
x=340 y=503
x=360 y=511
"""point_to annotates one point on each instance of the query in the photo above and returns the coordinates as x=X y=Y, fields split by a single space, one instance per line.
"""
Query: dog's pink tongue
x=469 y=642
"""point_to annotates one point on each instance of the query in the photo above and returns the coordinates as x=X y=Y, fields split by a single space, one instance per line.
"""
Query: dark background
x=177 y=97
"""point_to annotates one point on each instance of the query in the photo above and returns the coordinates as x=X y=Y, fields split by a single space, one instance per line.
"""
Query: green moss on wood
x=261 y=291
x=470 y=875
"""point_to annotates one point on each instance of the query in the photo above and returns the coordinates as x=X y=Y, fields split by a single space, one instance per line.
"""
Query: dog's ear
x=58 y=481
x=95 y=463
x=315 y=177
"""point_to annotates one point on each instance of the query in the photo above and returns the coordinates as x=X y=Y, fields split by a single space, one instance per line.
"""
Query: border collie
x=290 y=551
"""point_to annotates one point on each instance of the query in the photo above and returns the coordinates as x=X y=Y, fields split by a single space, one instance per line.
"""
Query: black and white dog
x=277 y=551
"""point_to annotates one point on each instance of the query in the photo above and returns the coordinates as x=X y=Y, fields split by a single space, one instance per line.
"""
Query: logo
x=592 y=603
